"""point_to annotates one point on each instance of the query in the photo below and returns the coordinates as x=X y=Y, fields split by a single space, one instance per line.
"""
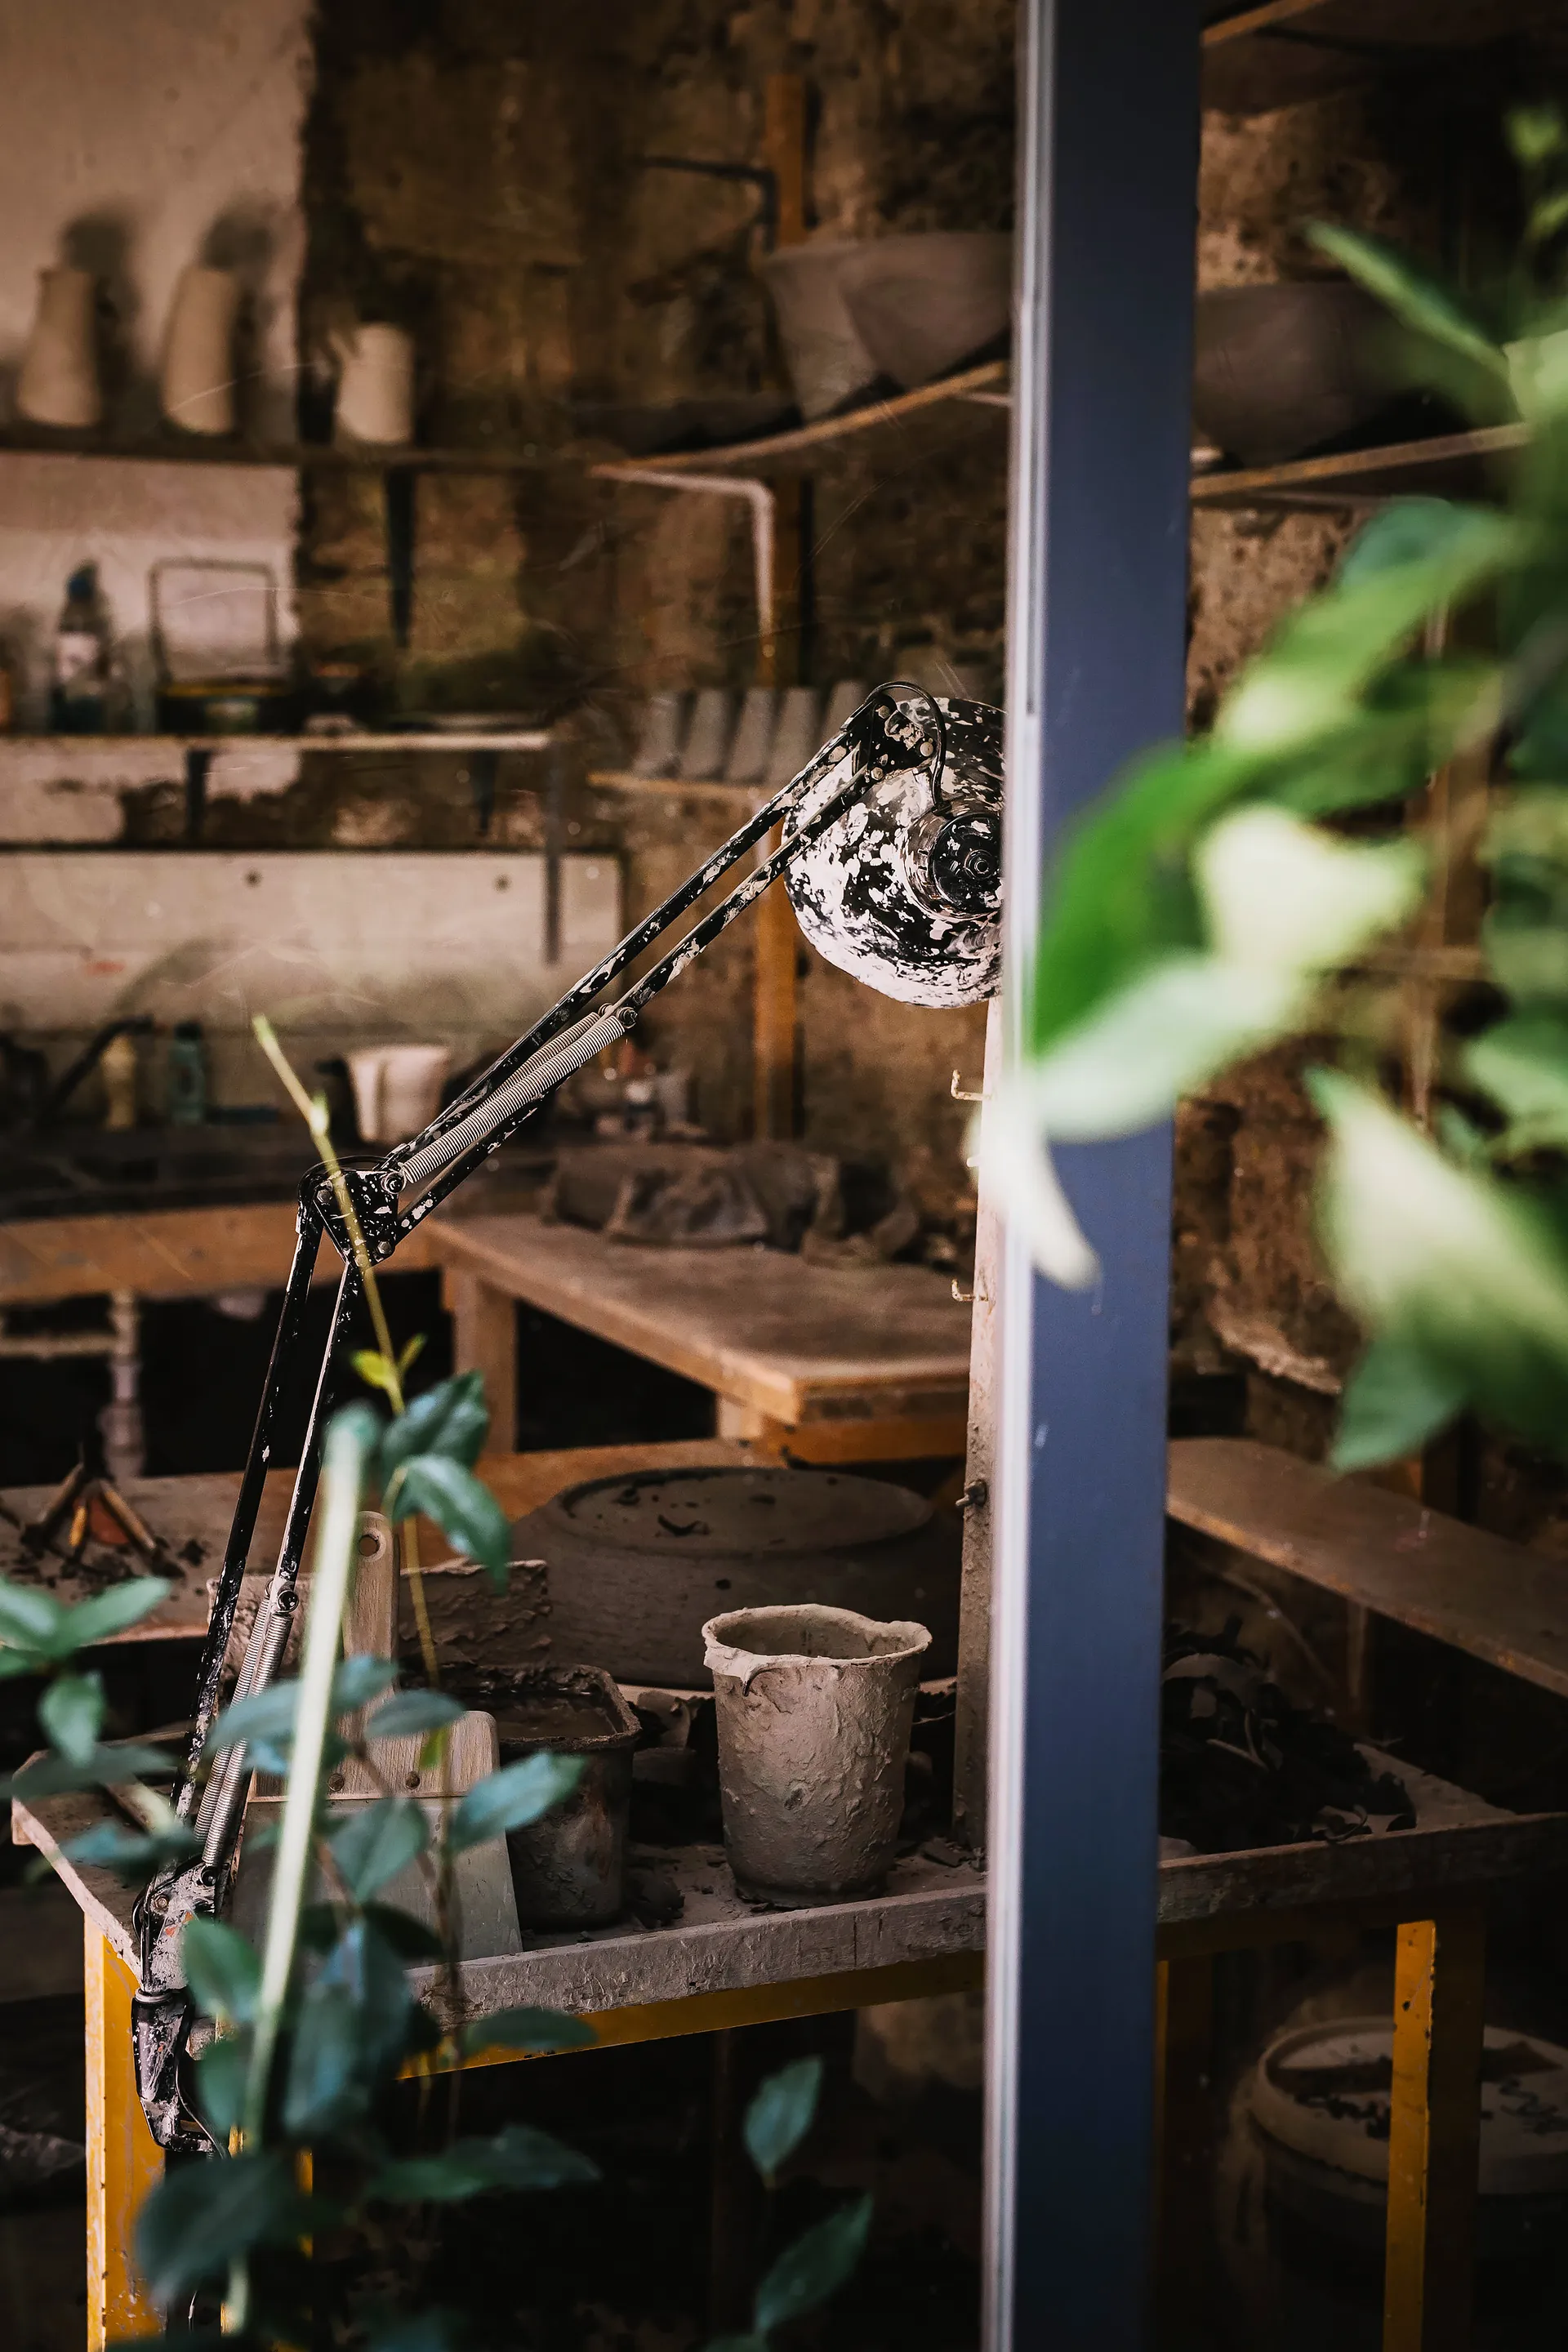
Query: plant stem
x=342 y=1478
x=312 y=1110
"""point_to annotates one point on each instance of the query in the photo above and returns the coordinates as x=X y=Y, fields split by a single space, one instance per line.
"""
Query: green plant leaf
x=71 y=1712
x=200 y=2216
x=1470 y=1272
x=1522 y=1065
x=467 y=1513
x=781 y=2115
x=416 y=2331
x=1307 y=685
x=375 y=1841
x=222 y=1970
x=1416 y=299
x=29 y=1620
x=814 y=2267
x=133 y=1855
x=267 y=1718
x=539 y=2029
x=411 y=1351
x=111 y=1612
x=373 y=1369
x=324 y=2087
x=1395 y=1399
x=451 y=1419
x=509 y=1799
x=106 y=1768
x=518 y=2158
x=1281 y=896
x=220 y=2082
x=411 y=1714
x=1125 y=1067
x=1535 y=134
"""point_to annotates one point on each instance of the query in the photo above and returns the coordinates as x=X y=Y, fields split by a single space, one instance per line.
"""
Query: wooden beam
x=484 y=1340
x=1433 y=2143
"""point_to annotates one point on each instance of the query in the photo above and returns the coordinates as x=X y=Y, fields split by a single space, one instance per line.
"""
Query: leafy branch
x=1210 y=904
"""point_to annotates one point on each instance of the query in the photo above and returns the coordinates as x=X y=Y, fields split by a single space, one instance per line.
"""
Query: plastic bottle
x=79 y=701
x=119 y=1066
x=187 y=1075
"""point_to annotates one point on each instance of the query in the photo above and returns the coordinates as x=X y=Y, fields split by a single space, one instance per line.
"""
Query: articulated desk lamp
x=892 y=841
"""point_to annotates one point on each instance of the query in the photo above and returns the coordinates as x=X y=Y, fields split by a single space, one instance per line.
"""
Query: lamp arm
x=881 y=737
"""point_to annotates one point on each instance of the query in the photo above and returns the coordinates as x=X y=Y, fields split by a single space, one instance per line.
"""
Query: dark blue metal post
x=1107 y=122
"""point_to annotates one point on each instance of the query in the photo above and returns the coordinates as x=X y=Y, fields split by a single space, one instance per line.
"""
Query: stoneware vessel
x=814 y=1711
x=397 y=1088
x=197 y=384
x=59 y=381
x=375 y=386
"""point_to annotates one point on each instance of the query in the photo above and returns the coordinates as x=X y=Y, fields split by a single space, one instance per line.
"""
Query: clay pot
x=1277 y=370
x=827 y=362
x=397 y=1089
x=59 y=383
x=375 y=386
x=197 y=384
x=814 y=1711
x=924 y=304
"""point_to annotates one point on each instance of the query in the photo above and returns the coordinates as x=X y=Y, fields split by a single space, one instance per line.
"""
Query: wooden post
x=1434 y=2142
x=774 y=1017
x=124 y=2162
x=484 y=1340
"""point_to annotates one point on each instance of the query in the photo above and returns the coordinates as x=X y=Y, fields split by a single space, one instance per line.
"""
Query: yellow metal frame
x=1433 y=2142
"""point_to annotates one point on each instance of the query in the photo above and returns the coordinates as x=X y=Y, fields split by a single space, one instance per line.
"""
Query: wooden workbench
x=839 y=1363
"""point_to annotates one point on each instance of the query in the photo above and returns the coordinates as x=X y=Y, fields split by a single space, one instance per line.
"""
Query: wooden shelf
x=921 y=420
x=1452 y=464
x=294 y=456
x=621 y=780
x=515 y=739
x=1288 y=50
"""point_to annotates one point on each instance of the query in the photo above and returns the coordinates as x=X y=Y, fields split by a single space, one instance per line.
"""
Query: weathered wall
x=472 y=174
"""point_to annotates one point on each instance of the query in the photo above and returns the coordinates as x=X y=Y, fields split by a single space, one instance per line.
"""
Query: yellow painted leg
x=123 y=2161
x=1434 y=2138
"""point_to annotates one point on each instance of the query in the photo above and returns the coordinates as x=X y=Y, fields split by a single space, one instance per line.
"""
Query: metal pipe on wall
x=1108 y=158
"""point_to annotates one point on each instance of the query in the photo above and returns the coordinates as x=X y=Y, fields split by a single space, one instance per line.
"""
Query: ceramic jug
x=375 y=385
x=58 y=379
x=197 y=385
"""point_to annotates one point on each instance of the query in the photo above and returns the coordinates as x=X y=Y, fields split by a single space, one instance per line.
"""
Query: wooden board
x=196 y=1511
x=1477 y=1591
x=1288 y=50
x=1449 y=465
x=911 y=424
x=164 y=1253
x=800 y=1342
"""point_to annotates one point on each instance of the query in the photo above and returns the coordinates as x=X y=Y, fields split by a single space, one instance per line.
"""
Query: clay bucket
x=814 y=1710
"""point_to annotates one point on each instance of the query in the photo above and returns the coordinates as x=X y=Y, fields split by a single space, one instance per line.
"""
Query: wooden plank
x=800 y=1342
x=1482 y=1595
x=1286 y=51
x=808 y=445
x=124 y=2164
x=166 y=1253
x=1448 y=463
x=484 y=1340
x=1434 y=2142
